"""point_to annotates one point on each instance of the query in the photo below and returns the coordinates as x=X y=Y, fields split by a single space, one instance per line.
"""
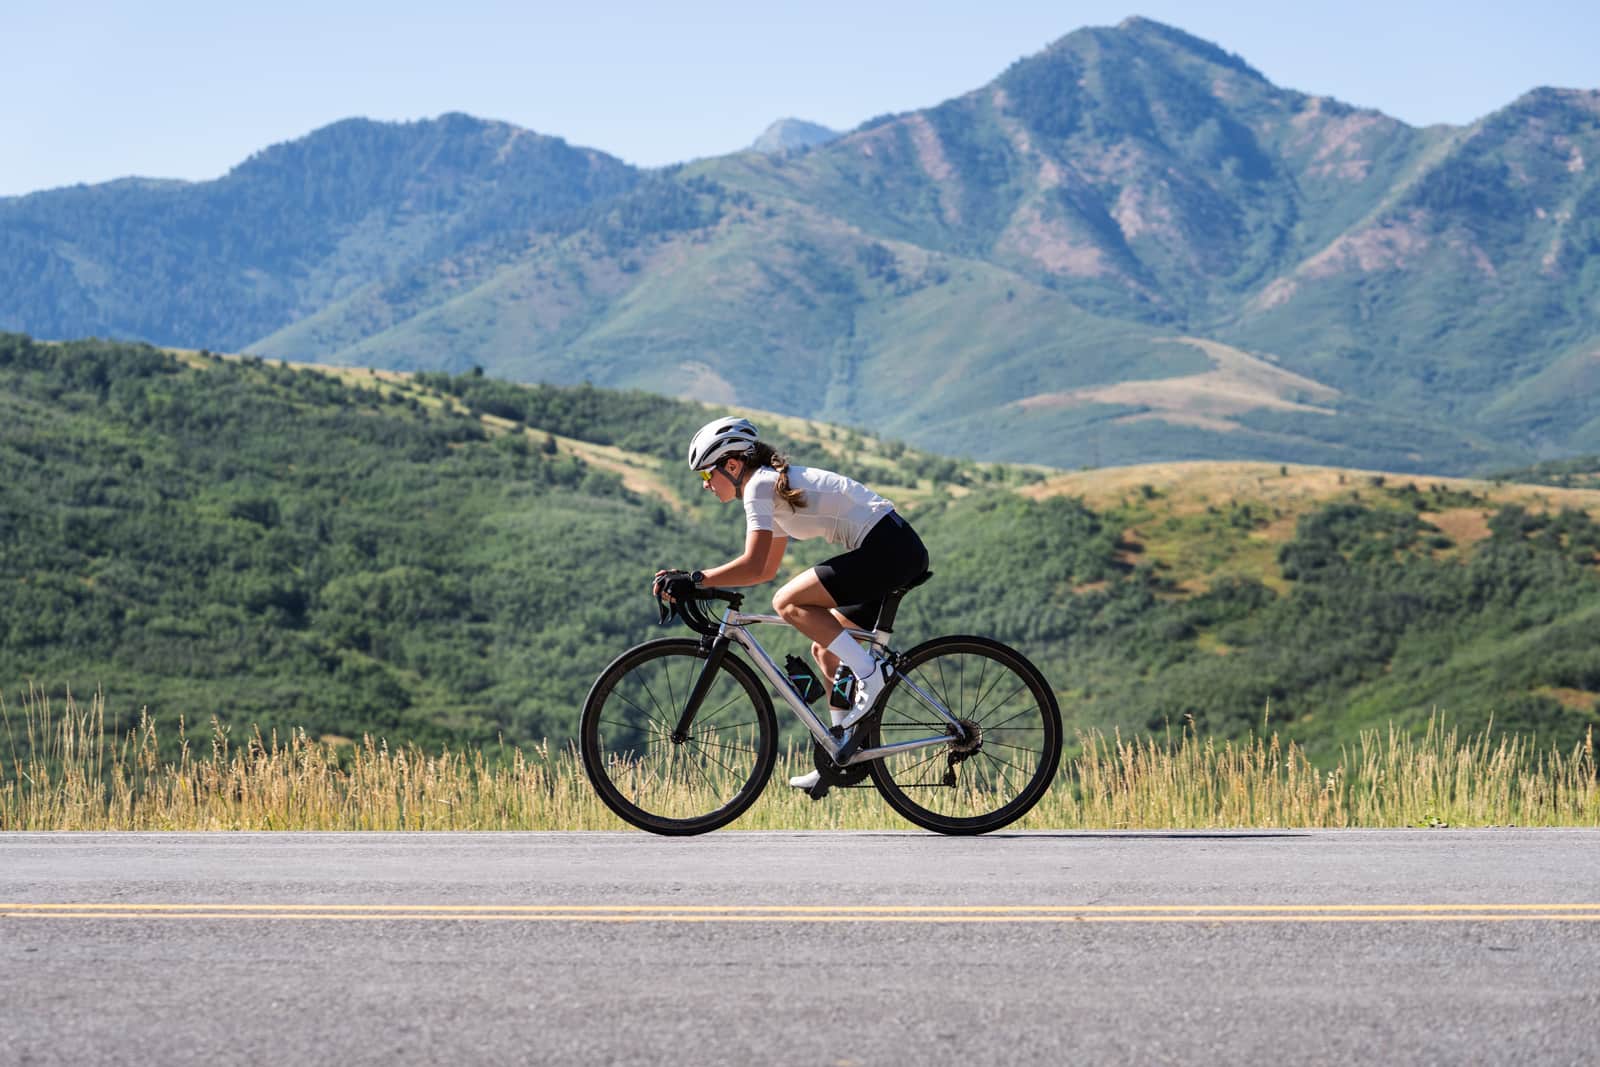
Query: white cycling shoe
x=806 y=781
x=867 y=690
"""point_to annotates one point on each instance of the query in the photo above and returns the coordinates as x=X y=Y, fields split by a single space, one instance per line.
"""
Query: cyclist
x=784 y=502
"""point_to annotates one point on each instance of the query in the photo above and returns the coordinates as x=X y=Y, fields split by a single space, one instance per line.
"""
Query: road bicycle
x=678 y=735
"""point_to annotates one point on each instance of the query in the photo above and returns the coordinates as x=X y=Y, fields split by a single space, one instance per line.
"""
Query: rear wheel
x=1000 y=770
x=670 y=784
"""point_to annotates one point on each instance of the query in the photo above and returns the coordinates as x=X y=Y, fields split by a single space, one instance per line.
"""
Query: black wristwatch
x=697 y=577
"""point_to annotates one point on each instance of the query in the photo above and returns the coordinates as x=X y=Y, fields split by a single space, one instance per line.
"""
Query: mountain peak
x=1138 y=30
x=788 y=135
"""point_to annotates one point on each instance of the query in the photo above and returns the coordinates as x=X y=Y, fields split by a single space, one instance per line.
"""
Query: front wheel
x=662 y=780
x=994 y=775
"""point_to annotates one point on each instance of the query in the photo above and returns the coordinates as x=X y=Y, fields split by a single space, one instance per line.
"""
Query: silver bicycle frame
x=735 y=628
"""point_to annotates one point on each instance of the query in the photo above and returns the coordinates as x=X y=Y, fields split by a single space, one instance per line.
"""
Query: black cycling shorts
x=891 y=556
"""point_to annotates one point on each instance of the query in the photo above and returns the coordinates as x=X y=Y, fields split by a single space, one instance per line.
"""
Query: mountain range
x=1129 y=246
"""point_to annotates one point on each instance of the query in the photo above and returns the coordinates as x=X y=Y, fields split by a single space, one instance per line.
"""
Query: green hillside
x=455 y=557
x=349 y=553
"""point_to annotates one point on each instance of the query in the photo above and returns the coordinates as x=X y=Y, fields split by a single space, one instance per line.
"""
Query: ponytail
x=762 y=455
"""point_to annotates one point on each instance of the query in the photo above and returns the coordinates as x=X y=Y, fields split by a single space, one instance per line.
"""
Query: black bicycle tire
x=594 y=763
x=1025 y=800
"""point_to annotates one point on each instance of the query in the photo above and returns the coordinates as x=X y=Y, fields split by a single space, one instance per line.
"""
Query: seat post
x=891 y=602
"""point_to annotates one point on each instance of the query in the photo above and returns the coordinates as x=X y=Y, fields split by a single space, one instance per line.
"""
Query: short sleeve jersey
x=839 y=509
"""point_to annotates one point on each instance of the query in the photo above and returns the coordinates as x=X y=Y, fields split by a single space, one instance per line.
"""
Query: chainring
x=831 y=772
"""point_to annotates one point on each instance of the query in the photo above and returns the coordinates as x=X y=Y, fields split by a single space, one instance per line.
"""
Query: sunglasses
x=705 y=475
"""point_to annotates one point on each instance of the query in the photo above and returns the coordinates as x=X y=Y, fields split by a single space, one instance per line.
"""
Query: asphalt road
x=1440 y=946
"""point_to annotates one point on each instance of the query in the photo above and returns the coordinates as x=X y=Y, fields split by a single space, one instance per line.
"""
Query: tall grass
x=60 y=770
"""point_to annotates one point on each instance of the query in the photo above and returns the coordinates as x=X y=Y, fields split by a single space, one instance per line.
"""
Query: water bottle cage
x=805 y=682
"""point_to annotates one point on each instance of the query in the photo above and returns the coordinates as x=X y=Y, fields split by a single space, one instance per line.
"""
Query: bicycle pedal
x=820 y=790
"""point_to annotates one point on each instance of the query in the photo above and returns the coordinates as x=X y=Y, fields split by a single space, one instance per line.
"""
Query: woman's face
x=723 y=477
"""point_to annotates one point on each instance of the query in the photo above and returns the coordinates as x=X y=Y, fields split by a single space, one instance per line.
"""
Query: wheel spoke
x=983 y=672
x=650 y=737
x=961 y=695
x=937 y=752
x=977 y=708
x=923 y=702
x=718 y=744
x=923 y=779
x=944 y=687
x=666 y=670
x=999 y=759
x=653 y=701
x=663 y=723
x=718 y=762
x=912 y=706
x=987 y=744
x=727 y=726
x=720 y=709
x=996 y=709
x=1001 y=725
x=703 y=774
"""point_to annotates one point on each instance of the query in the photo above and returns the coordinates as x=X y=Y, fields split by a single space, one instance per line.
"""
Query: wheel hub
x=961 y=748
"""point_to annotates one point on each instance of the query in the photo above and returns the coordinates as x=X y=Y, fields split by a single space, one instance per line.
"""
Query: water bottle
x=803 y=678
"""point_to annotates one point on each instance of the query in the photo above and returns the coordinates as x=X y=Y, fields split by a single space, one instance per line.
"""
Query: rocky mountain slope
x=1130 y=246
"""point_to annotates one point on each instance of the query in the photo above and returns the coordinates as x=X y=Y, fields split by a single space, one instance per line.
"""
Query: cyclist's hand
x=670 y=584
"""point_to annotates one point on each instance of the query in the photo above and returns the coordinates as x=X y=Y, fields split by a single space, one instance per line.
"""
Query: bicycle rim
x=699 y=782
x=989 y=781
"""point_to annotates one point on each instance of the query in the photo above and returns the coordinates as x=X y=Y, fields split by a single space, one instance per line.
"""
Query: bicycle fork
x=702 y=685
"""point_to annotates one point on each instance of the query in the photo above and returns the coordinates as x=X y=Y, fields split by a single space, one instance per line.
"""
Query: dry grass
x=1191 y=487
x=60 y=771
x=1237 y=382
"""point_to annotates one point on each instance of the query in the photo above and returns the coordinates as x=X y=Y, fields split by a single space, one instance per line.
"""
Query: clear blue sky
x=94 y=90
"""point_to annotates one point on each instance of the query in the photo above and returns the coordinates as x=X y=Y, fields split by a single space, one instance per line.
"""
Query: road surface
x=1435 y=946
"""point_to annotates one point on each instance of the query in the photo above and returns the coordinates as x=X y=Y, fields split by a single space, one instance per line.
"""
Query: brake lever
x=666 y=610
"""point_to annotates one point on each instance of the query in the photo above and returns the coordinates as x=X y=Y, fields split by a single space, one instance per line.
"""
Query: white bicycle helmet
x=727 y=436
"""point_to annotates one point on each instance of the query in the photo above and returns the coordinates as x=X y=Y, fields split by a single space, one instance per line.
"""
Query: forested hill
x=456 y=557
x=417 y=558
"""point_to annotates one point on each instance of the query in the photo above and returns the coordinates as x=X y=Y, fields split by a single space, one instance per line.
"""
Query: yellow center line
x=804 y=913
x=925 y=919
x=788 y=908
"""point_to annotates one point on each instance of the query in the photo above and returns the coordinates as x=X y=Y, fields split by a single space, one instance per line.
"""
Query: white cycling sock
x=858 y=659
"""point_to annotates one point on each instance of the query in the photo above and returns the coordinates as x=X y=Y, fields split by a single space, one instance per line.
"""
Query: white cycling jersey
x=837 y=508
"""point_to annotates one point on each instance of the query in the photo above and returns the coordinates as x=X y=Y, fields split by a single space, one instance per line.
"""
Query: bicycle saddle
x=913 y=583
